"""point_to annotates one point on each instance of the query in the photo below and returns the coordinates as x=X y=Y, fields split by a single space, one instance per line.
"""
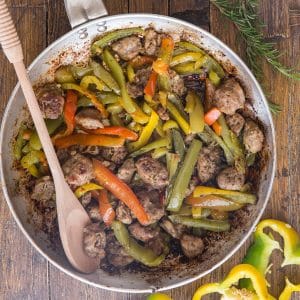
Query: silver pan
x=87 y=24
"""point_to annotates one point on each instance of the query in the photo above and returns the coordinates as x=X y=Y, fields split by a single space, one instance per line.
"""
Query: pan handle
x=79 y=11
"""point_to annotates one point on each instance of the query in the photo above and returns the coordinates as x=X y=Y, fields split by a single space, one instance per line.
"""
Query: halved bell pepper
x=142 y=254
x=146 y=133
x=90 y=95
x=108 y=38
x=120 y=189
x=88 y=140
x=177 y=192
x=288 y=290
x=87 y=187
x=226 y=288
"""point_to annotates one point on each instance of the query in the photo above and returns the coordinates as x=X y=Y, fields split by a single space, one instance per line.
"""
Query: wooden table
x=25 y=274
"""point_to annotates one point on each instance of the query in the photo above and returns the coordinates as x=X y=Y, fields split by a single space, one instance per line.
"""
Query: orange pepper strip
x=88 y=140
x=212 y=116
x=69 y=114
x=217 y=128
x=151 y=84
x=106 y=210
x=116 y=130
x=120 y=189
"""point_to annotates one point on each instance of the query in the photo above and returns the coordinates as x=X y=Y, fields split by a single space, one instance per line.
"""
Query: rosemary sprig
x=243 y=14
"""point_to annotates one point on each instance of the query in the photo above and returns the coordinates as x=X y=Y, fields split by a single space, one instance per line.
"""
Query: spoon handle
x=12 y=48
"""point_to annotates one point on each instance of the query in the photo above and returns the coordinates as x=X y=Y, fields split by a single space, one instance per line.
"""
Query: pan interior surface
x=74 y=46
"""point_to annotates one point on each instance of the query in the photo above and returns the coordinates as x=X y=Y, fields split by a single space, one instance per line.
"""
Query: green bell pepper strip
x=90 y=80
x=232 y=142
x=142 y=254
x=188 y=46
x=207 y=224
x=286 y=294
x=239 y=197
x=118 y=75
x=173 y=98
x=110 y=37
x=114 y=108
x=63 y=75
x=26 y=148
x=159 y=152
x=163 y=142
x=105 y=76
x=184 y=125
x=108 y=97
x=210 y=64
x=196 y=114
x=260 y=252
x=19 y=143
x=33 y=157
x=186 y=211
x=52 y=126
x=228 y=154
x=214 y=78
x=116 y=120
x=146 y=133
x=169 y=125
x=130 y=73
x=84 y=101
x=176 y=193
x=178 y=143
x=78 y=72
x=173 y=160
x=185 y=57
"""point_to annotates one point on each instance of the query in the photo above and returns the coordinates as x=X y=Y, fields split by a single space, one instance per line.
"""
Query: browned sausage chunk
x=44 y=191
x=253 y=137
x=176 y=83
x=236 y=123
x=152 y=41
x=230 y=179
x=229 y=97
x=152 y=205
x=114 y=154
x=78 y=170
x=51 y=101
x=157 y=245
x=152 y=172
x=208 y=163
x=136 y=87
x=128 y=47
x=143 y=233
x=89 y=118
x=94 y=241
x=123 y=213
x=126 y=171
x=94 y=213
x=191 y=245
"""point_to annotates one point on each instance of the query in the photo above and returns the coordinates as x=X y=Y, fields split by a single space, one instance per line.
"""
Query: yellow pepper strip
x=146 y=133
x=138 y=115
x=32 y=158
x=159 y=129
x=184 y=125
x=196 y=114
x=90 y=186
x=159 y=296
x=185 y=57
x=169 y=125
x=288 y=290
x=163 y=98
x=197 y=212
x=130 y=73
x=214 y=78
x=290 y=237
x=91 y=96
x=225 y=287
x=88 y=80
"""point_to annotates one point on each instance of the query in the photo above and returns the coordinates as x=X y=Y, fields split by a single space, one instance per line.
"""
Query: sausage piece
x=230 y=179
x=151 y=42
x=143 y=233
x=191 y=245
x=253 y=137
x=128 y=47
x=123 y=213
x=152 y=172
x=89 y=118
x=235 y=122
x=126 y=171
x=229 y=97
x=114 y=154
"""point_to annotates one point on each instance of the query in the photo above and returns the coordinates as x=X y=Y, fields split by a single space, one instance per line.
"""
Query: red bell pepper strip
x=88 y=140
x=151 y=84
x=212 y=116
x=105 y=209
x=69 y=114
x=116 y=130
x=120 y=189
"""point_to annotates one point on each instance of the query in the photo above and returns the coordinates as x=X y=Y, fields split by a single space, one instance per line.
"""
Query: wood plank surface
x=24 y=274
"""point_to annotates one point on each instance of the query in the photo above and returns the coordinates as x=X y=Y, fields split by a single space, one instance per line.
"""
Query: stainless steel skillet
x=74 y=45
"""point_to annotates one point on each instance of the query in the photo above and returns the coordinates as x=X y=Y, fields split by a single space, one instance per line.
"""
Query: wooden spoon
x=72 y=218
